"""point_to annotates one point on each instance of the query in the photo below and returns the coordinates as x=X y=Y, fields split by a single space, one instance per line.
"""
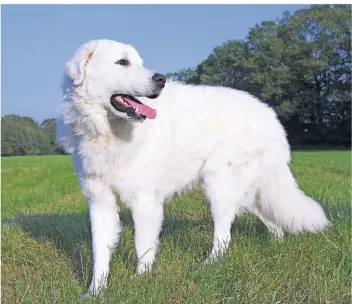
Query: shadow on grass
x=70 y=233
x=67 y=232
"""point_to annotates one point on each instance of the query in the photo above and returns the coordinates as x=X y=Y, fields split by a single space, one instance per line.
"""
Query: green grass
x=46 y=253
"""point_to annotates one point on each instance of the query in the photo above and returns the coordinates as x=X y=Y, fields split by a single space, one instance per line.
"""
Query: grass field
x=46 y=255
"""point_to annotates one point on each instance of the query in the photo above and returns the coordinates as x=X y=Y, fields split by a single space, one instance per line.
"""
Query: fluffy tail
x=284 y=203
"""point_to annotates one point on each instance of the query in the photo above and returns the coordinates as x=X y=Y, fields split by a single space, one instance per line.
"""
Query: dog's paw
x=143 y=268
x=94 y=291
x=209 y=260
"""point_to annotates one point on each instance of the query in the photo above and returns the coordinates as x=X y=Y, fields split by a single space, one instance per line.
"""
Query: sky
x=37 y=40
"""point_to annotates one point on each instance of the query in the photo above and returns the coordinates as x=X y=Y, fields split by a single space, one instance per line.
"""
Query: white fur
x=226 y=138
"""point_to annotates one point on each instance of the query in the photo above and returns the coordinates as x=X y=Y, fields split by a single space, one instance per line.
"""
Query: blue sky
x=38 y=39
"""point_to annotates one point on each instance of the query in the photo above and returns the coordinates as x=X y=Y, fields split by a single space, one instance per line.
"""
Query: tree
x=49 y=125
x=23 y=136
x=299 y=65
x=189 y=75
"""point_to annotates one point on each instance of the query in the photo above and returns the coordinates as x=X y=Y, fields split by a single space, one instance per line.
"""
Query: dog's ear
x=76 y=66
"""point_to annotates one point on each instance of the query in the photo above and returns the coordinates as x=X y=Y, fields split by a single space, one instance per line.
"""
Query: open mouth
x=132 y=107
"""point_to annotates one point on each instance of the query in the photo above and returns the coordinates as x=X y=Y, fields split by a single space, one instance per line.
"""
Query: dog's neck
x=86 y=116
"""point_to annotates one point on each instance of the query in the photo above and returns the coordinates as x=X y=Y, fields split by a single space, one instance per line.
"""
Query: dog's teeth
x=136 y=110
x=120 y=100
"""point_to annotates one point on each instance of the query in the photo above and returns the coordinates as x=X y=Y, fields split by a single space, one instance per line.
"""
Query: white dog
x=141 y=151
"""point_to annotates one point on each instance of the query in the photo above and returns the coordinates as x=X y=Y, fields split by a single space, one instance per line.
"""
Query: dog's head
x=112 y=74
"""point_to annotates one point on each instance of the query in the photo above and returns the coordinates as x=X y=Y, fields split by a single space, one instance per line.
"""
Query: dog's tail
x=284 y=203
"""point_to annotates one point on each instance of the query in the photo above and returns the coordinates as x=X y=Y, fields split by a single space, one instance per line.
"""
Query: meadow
x=46 y=255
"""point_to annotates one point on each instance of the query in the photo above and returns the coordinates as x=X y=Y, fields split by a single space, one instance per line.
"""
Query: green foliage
x=186 y=75
x=49 y=125
x=300 y=65
x=23 y=136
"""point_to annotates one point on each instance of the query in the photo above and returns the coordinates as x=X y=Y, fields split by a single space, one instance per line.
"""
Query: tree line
x=300 y=65
x=24 y=136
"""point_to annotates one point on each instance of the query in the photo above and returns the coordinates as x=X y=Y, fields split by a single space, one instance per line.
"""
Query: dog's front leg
x=105 y=228
x=147 y=215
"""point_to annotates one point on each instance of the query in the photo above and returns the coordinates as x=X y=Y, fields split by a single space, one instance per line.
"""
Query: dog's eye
x=122 y=62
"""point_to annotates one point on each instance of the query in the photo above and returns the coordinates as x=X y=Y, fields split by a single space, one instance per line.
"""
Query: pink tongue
x=143 y=109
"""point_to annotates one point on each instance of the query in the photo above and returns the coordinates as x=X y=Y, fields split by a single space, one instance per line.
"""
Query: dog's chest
x=102 y=156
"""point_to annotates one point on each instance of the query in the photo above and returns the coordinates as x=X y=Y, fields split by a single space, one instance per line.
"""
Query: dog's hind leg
x=147 y=215
x=105 y=229
x=272 y=227
x=227 y=190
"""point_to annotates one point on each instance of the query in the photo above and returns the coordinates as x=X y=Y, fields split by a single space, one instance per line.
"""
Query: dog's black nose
x=159 y=79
